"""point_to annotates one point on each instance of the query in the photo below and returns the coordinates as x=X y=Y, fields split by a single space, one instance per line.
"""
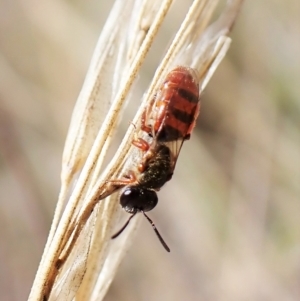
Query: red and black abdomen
x=177 y=105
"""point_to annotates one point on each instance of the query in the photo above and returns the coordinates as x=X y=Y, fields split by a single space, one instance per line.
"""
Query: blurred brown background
x=231 y=214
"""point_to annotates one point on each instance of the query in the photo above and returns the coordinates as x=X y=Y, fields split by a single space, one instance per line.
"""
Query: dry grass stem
x=80 y=260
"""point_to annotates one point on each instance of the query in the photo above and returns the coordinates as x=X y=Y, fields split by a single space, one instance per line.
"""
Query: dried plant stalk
x=79 y=260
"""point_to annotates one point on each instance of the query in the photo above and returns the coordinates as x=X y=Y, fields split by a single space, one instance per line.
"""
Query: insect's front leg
x=129 y=179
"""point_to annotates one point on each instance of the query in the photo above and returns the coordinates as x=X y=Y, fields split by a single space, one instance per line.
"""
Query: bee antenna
x=123 y=228
x=156 y=232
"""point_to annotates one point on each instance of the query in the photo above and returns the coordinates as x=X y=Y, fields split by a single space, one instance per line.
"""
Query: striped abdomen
x=177 y=105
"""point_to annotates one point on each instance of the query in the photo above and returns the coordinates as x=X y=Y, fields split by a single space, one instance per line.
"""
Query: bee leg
x=142 y=166
x=144 y=127
x=148 y=152
x=141 y=144
x=128 y=179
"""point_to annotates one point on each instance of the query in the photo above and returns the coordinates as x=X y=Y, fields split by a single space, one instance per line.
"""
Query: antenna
x=157 y=233
x=153 y=226
x=123 y=228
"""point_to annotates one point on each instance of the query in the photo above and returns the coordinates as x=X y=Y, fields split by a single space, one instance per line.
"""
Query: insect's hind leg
x=147 y=111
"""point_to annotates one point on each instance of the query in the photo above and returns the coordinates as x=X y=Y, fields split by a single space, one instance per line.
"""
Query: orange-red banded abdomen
x=177 y=105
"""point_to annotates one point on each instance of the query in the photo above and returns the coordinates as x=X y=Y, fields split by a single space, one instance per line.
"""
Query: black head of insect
x=137 y=199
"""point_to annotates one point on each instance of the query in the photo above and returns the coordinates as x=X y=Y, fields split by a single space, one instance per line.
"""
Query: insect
x=168 y=120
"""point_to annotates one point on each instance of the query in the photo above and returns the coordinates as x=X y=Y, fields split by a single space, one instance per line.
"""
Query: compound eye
x=138 y=199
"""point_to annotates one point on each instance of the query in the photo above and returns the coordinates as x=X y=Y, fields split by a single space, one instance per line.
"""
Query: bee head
x=135 y=199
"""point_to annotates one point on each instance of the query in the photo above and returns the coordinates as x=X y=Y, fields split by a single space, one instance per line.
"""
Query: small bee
x=168 y=120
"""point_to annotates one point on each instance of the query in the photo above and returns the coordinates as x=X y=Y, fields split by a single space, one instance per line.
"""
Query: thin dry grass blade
x=52 y=261
x=91 y=106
